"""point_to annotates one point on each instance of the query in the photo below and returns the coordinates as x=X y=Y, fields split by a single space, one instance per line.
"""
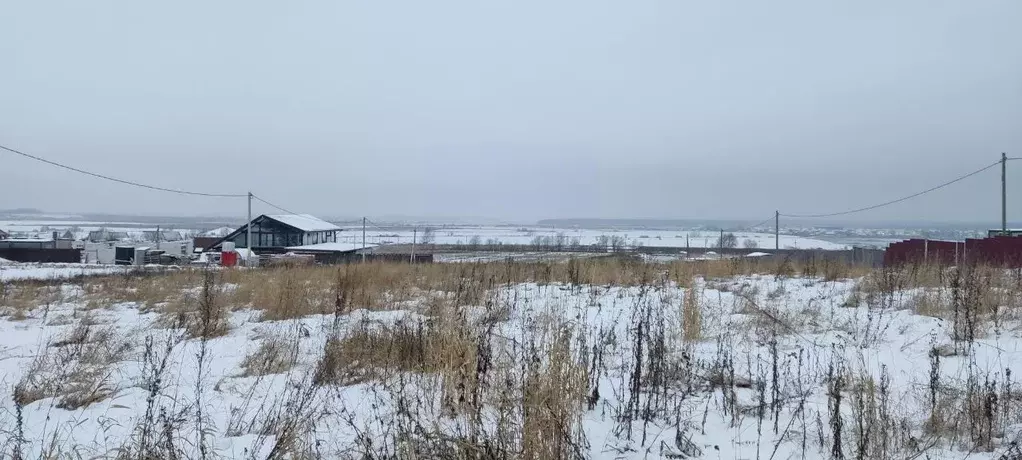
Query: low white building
x=105 y=252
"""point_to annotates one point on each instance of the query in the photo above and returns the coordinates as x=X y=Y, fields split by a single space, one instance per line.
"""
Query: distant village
x=280 y=238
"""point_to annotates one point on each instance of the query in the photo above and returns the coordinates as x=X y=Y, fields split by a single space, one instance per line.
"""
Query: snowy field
x=461 y=235
x=17 y=271
x=548 y=236
x=81 y=229
x=10 y=271
x=664 y=362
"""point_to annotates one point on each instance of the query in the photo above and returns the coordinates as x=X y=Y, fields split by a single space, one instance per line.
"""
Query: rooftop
x=304 y=222
x=29 y=240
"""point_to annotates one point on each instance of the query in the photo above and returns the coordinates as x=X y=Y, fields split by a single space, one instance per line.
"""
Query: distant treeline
x=644 y=223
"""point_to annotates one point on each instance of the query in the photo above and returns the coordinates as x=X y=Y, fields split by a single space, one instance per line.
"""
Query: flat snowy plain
x=585 y=237
x=513 y=235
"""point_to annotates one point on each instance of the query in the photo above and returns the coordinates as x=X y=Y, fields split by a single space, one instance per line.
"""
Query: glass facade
x=269 y=234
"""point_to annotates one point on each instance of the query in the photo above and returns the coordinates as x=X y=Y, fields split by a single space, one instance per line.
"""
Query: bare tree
x=560 y=240
x=727 y=241
x=750 y=243
x=428 y=235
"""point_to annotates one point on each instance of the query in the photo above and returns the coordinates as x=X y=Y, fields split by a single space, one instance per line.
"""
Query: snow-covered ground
x=81 y=229
x=757 y=380
x=515 y=256
x=547 y=236
x=11 y=271
x=462 y=235
x=17 y=271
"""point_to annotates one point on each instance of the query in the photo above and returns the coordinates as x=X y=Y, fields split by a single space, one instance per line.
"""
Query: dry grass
x=17 y=300
x=201 y=311
x=276 y=354
x=930 y=302
x=371 y=350
x=554 y=395
x=148 y=290
x=76 y=368
x=516 y=397
x=692 y=318
x=295 y=291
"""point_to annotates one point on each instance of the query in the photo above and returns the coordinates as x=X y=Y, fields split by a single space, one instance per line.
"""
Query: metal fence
x=42 y=255
x=1001 y=251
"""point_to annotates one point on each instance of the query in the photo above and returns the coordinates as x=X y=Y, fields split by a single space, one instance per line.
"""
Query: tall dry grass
x=526 y=396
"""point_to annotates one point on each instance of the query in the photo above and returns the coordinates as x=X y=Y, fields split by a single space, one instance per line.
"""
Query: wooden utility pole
x=1004 y=194
x=248 y=235
x=777 y=230
x=415 y=232
x=363 y=239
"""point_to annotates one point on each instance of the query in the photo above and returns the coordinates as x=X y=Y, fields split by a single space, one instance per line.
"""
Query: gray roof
x=166 y=235
x=106 y=235
x=304 y=222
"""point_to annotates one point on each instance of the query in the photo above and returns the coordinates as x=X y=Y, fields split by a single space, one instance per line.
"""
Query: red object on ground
x=229 y=259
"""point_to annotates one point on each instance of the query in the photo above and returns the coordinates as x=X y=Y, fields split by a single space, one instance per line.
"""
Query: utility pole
x=248 y=235
x=1004 y=194
x=415 y=232
x=777 y=230
x=363 y=239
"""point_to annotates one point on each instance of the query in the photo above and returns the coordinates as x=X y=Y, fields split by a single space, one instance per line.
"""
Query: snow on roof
x=304 y=222
x=219 y=232
x=333 y=247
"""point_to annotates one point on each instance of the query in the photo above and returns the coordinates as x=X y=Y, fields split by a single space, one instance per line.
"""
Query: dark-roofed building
x=4 y=235
x=164 y=235
x=202 y=242
x=104 y=235
x=277 y=233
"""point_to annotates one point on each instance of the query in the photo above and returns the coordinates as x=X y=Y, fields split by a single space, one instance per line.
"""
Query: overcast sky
x=515 y=110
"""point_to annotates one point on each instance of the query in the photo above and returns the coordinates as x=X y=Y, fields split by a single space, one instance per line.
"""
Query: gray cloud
x=514 y=110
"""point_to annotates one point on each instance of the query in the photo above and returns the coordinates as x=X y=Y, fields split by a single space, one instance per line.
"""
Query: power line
x=761 y=223
x=374 y=224
x=899 y=200
x=272 y=205
x=122 y=181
